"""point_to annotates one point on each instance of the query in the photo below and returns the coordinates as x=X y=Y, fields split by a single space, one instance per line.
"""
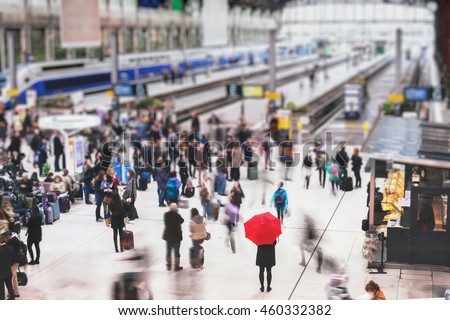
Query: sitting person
x=71 y=185
x=25 y=185
x=49 y=177
x=58 y=185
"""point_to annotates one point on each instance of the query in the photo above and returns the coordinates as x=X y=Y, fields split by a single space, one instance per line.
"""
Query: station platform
x=78 y=259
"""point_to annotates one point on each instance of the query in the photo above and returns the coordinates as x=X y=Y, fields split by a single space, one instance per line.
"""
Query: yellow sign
x=366 y=126
x=273 y=95
x=12 y=92
x=249 y=91
x=299 y=124
x=110 y=93
x=396 y=98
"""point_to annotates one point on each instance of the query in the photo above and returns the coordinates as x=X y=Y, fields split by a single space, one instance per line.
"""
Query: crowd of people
x=179 y=162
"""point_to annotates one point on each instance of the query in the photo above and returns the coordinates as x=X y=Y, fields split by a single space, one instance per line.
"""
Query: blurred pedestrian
x=231 y=222
x=183 y=171
x=98 y=192
x=309 y=237
x=280 y=200
x=130 y=195
x=6 y=261
x=374 y=290
x=236 y=162
x=265 y=259
x=14 y=242
x=197 y=227
x=173 y=235
x=333 y=172
x=356 y=167
x=308 y=161
x=161 y=180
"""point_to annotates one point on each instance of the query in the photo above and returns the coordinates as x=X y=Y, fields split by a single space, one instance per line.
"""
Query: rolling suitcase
x=56 y=210
x=64 y=204
x=252 y=173
x=201 y=257
x=127 y=240
x=52 y=197
x=142 y=183
x=48 y=212
x=347 y=184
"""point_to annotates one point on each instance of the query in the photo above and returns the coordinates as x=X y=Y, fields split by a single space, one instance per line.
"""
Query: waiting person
x=265 y=259
x=206 y=197
x=379 y=212
x=280 y=200
x=173 y=235
x=25 y=185
x=49 y=177
x=356 y=167
x=197 y=227
x=58 y=185
x=321 y=161
x=342 y=160
x=88 y=173
x=173 y=188
x=130 y=195
x=7 y=257
x=116 y=209
x=107 y=187
x=161 y=180
x=58 y=150
x=43 y=155
x=374 y=290
x=71 y=185
x=236 y=161
x=98 y=192
x=34 y=235
x=183 y=171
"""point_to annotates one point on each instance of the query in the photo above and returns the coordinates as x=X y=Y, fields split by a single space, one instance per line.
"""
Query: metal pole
x=272 y=60
x=398 y=58
x=12 y=64
x=114 y=72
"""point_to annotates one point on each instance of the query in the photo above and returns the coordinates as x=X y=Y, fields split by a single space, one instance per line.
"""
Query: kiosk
x=75 y=146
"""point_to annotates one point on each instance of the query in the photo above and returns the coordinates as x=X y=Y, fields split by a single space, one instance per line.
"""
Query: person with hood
x=197 y=227
x=173 y=235
x=374 y=290
x=280 y=200
x=173 y=188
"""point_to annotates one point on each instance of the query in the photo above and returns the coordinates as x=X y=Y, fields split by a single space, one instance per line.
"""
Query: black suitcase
x=348 y=184
x=365 y=225
x=201 y=257
x=142 y=183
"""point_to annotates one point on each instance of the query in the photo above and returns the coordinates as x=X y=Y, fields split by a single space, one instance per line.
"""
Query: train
x=92 y=75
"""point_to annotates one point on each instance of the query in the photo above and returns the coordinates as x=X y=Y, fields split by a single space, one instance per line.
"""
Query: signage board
x=437 y=94
x=253 y=91
x=128 y=90
x=273 y=95
x=416 y=94
x=12 y=92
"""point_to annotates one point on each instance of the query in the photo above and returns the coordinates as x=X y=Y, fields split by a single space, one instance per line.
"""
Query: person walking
x=309 y=237
x=333 y=172
x=34 y=235
x=374 y=290
x=308 y=162
x=117 y=212
x=183 y=171
x=206 y=198
x=130 y=195
x=236 y=162
x=321 y=160
x=43 y=155
x=161 y=181
x=197 y=227
x=173 y=235
x=280 y=200
x=356 y=167
x=236 y=194
x=7 y=257
x=265 y=260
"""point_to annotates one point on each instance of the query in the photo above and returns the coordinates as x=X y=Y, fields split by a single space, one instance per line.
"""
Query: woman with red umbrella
x=265 y=259
x=263 y=230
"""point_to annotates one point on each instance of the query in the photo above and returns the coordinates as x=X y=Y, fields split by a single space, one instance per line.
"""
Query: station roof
x=404 y=2
x=260 y=4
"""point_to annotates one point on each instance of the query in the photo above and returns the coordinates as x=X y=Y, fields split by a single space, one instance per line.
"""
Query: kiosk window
x=432 y=213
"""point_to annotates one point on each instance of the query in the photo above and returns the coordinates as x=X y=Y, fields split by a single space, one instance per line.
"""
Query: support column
x=12 y=64
x=272 y=60
x=49 y=44
x=170 y=32
x=136 y=32
x=398 y=57
x=70 y=54
x=23 y=44
x=114 y=71
x=120 y=40
x=2 y=49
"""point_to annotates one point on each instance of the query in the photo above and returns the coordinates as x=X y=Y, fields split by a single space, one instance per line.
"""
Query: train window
x=62 y=84
x=3 y=81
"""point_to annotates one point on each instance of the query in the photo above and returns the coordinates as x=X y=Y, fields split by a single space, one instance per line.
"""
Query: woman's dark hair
x=194 y=212
x=50 y=174
x=109 y=178
x=65 y=172
x=172 y=174
x=372 y=286
x=116 y=204
x=34 y=176
x=132 y=174
x=101 y=174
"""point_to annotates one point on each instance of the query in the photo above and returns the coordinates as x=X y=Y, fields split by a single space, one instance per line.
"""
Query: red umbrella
x=263 y=228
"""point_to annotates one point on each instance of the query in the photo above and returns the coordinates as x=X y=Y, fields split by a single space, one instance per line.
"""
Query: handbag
x=22 y=278
x=108 y=222
x=208 y=236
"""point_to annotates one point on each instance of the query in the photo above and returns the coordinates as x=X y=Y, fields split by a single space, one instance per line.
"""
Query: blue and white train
x=92 y=75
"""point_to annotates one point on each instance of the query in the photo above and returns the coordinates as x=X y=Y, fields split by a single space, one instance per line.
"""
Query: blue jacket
x=283 y=192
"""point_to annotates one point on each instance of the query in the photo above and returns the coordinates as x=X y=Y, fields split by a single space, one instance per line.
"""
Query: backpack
x=22 y=254
x=279 y=199
x=171 y=190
